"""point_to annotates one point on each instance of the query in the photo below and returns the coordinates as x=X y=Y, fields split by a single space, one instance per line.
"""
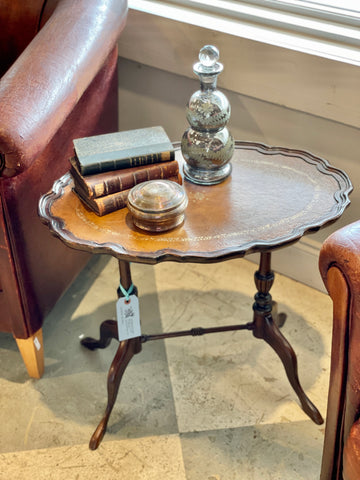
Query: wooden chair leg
x=32 y=352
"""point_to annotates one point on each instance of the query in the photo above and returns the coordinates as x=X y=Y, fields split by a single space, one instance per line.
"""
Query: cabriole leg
x=266 y=328
x=126 y=350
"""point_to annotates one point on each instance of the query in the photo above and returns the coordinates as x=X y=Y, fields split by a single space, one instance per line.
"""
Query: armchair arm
x=42 y=87
x=340 y=269
x=342 y=250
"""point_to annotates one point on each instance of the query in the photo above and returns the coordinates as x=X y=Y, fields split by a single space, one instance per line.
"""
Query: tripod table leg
x=126 y=350
x=265 y=327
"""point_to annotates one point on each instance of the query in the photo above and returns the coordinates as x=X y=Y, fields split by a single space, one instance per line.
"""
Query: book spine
x=116 y=201
x=128 y=179
x=110 y=203
x=131 y=162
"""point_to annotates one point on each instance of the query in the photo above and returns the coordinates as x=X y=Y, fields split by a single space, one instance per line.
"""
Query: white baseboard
x=299 y=262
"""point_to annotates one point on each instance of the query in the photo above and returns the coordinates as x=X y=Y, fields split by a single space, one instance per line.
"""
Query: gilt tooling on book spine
x=110 y=203
x=105 y=183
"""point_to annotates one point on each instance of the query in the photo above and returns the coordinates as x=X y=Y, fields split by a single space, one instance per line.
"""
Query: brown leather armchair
x=340 y=270
x=58 y=69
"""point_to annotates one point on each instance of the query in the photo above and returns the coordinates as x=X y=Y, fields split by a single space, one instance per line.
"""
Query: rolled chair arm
x=342 y=249
x=45 y=83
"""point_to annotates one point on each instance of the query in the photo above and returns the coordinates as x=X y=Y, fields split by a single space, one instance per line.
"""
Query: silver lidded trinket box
x=207 y=145
x=157 y=205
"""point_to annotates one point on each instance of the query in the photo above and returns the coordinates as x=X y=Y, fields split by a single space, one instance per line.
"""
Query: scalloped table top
x=273 y=196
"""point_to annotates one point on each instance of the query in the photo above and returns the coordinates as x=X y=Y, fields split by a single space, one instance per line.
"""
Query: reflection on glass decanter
x=207 y=145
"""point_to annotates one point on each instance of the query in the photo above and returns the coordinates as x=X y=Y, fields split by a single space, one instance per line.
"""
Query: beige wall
x=151 y=96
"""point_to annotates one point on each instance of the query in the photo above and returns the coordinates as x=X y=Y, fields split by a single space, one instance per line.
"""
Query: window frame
x=328 y=32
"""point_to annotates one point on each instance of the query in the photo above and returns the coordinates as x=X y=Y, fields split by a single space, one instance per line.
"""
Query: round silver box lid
x=157 y=205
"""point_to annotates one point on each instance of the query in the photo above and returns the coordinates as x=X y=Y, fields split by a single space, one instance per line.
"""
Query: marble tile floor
x=217 y=407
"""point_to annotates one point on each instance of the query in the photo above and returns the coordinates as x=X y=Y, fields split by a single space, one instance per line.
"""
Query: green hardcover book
x=127 y=149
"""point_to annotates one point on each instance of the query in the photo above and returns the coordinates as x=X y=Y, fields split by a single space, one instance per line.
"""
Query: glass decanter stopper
x=207 y=145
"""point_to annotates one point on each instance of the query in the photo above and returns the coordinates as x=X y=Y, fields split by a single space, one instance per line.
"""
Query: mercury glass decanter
x=207 y=145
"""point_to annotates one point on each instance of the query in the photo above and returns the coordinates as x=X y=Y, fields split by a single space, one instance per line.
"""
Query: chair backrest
x=20 y=22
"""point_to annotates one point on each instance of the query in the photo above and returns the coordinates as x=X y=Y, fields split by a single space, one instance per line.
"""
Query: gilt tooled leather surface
x=44 y=84
x=271 y=198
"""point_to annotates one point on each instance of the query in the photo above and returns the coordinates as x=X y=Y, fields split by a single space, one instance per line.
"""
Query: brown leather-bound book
x=101 y=184
x=115 y=201
x=125 y=149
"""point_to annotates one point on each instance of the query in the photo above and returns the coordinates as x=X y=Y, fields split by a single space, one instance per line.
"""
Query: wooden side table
x=272 y=198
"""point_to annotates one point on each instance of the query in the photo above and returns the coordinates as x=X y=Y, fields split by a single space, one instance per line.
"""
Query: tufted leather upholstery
x=58 y=61
x=340 y=270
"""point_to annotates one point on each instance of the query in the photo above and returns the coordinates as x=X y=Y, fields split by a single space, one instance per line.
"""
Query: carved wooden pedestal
x=273 y=197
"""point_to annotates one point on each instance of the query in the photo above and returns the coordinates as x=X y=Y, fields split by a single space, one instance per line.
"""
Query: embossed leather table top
x=273 y=197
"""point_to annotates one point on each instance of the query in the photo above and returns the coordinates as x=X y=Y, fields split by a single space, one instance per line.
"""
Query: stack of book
x=106 y=167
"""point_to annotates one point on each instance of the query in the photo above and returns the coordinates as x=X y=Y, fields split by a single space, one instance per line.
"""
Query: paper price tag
x=128 y=317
